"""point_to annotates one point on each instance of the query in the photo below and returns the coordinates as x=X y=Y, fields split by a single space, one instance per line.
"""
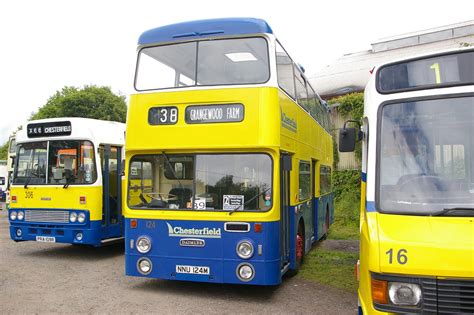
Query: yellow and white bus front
x=417 y=225
x=66 y=185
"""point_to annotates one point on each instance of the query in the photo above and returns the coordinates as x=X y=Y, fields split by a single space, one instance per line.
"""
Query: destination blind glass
x=203 y=114
x=437 y=71
x=50 y=129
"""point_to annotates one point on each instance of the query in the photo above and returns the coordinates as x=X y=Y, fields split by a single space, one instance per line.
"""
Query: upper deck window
x=432 y=72
x=203 y=63
x=285 y=71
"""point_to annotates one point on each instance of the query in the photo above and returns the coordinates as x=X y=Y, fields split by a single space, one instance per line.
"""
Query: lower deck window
x=222 y=182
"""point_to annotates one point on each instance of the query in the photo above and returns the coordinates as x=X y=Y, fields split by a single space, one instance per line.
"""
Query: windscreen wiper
x=248 y=201
x=68 y=181
x=446 y=210
x=28 y=179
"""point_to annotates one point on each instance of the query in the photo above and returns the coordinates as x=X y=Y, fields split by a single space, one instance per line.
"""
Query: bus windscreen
x=433 y=72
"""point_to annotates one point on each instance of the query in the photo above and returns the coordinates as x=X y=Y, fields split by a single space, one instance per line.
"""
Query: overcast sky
x=48 y=44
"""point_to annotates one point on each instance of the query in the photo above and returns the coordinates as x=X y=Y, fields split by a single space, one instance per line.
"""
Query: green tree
x=4 y=151
x=89 y=102
x=350 y=106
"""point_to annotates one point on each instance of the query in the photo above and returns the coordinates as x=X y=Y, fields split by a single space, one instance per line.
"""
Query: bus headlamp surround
x=13 y=215
x=73 y=217
x=407 y=294
x=144 y=266
x=21 y=215
x=244 y=249
x=143 y=244
x=81 y=217
x=245 y=272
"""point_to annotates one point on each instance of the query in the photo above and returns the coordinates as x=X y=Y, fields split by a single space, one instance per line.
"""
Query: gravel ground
x=55 y=278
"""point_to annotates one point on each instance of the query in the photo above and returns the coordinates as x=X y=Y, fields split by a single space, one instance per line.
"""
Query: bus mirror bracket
x=349 y=136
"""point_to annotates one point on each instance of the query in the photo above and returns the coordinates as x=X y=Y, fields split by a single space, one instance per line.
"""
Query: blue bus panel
x=177 y=244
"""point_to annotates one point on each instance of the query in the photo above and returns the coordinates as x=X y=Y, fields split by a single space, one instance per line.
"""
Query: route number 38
x=402 y=256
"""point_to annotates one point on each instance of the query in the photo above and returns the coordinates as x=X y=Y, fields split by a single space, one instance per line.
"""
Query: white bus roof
x=98 y=131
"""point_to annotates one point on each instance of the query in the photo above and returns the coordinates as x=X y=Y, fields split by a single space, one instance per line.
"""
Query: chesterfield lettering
x=183 y=232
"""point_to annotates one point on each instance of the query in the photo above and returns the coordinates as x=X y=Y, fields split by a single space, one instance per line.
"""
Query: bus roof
x=203 y=29
x=99 y=131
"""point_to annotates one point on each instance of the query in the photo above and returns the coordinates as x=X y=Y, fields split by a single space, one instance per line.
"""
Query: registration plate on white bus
x=193 y=270
x=46 y=239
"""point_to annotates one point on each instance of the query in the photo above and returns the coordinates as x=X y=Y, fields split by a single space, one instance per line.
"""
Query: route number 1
x=437 y=71
x=402 y=257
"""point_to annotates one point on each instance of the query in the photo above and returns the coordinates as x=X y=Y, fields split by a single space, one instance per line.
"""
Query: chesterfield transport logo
x=178 y=231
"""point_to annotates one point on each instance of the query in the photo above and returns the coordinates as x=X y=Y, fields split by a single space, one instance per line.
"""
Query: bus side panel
x=217 y=252
x=325 y=214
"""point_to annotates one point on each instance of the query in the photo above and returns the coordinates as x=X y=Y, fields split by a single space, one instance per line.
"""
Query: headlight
x=143 y=244
x=144 y=266
x=20 y=215
x=73 y=217
x=244 y=249
x=81 y=217
x=245 y=272
x=404 y=293
x=79 y=236
x=13 y=215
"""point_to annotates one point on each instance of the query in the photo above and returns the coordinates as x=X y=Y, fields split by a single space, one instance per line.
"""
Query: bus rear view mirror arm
x=349 y=136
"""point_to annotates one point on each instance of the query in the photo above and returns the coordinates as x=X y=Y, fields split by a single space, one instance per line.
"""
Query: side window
x=301 y=94
x=285 y=71
x=325 y=179
x=304 y=181
x=313 y=103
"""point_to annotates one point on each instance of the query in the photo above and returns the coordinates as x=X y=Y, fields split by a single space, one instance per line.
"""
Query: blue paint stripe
x=370 y=206
x=364 y=176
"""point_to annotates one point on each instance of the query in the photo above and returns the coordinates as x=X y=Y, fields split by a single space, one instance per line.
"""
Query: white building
x=351 y=72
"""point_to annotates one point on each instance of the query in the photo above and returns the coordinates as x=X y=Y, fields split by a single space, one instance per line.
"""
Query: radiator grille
x=54 y=216
x=448 y=296
x=455 y=296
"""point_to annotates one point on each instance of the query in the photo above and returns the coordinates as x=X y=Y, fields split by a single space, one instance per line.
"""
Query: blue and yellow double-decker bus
x=228 y=156
x=67 y=182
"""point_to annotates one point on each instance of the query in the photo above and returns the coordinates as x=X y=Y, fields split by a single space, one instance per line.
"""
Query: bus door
x=285 y=168
x=111 y=162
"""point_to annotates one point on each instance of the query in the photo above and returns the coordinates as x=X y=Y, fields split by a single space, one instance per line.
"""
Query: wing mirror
x=349 y=136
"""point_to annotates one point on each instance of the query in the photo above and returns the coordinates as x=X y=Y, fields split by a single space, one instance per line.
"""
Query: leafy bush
x=347 y=204
x=350 y=106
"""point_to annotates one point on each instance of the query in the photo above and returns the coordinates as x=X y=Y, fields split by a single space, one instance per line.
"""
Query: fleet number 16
x=402 y=256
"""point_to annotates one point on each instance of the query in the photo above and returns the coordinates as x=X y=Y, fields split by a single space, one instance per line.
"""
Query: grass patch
x=346 y=217
x=346 y=205
x=333 y=268
x=342 y=231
